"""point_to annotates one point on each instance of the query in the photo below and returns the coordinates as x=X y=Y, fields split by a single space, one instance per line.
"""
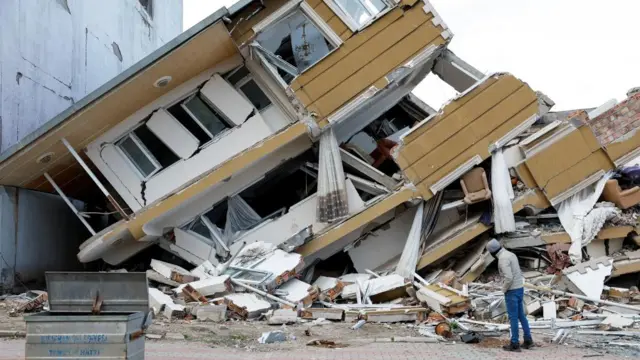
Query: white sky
x=580 y=53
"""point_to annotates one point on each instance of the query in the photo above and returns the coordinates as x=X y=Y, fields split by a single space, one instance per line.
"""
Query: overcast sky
x=580 y=53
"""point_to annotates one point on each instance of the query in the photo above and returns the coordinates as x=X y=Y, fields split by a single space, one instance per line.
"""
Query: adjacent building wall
x=54 y=52
x=38 y=233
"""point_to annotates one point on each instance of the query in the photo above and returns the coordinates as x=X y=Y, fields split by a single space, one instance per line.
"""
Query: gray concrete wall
x=38 y=233
x=54 y=52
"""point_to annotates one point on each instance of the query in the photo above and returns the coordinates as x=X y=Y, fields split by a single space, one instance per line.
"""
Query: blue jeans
x=514 y=300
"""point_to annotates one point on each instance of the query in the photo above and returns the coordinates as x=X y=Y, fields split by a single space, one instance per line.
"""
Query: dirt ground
x=244 y=335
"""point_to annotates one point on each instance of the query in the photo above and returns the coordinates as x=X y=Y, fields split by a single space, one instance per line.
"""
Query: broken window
x=200 y=119
x=292 y=44
x=358 y=13
x=242 y=80
x=147 y=5
x=146 y=151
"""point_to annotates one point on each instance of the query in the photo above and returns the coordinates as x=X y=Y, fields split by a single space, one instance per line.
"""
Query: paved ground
x=164 y=350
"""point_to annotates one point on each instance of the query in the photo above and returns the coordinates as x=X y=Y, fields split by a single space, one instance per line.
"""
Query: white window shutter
x=173 y=134
x=125 y=172
x=227 y=99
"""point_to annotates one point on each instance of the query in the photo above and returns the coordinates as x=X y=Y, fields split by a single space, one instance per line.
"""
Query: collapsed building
x=291 y=125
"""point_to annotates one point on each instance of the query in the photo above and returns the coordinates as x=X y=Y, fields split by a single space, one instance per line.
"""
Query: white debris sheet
x=573 y=214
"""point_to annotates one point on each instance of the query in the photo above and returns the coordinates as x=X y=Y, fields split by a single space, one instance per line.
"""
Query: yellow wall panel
x=475 y=132
x=356 y=41
x=448 y=109
x=616 y=150
x=453 y=122
x=364 y=54
x=577 y=173
x=379 y=67
x=558 y=157
x=482 y=147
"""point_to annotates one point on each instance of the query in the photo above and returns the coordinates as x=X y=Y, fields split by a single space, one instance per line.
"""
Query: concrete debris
x=210 y=312
x=282 y=316
x=272 y=337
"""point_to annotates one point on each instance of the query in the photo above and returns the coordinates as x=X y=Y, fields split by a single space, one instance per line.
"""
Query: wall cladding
x=54 y=52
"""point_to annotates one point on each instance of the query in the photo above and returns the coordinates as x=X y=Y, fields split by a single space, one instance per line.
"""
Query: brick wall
x=617 y=121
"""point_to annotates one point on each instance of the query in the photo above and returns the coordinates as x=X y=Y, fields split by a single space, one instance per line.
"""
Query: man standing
x=513 y=288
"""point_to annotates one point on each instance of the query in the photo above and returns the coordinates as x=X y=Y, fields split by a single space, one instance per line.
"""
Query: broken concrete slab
x=248 y=306
x=299 y=291
x=173 y=272
x=549 y=310
x=330 y=287
x=157 y=277
x=323 y=313
x=173 y=311
x=408 y=314
x=158 y=299
x=214 y=313
x=205 y=270
x=385 y=288
x=588 y=278
x=618 y=322
x=282 y=316
x=209 y=286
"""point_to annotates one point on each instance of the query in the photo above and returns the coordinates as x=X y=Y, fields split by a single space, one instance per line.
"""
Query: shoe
x=512 y=347
x=528 y=344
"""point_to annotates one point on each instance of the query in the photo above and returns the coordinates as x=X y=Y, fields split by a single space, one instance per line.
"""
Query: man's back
x=510 y=270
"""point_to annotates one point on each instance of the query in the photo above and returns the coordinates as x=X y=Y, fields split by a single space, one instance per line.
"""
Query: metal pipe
x=94 y=178
x=263 y=293
x=582 y=297
x=66 y=200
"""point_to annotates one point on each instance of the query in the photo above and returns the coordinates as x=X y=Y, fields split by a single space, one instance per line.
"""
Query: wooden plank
x=365 y=54
x=381 y=66
x=450 y=124
x=472 y=134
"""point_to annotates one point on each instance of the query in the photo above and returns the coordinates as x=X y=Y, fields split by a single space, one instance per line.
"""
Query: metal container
x=76 y=329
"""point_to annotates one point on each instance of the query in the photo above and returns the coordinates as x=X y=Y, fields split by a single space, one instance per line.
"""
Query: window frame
x=240 y=83
x=281 y=14
x=131 y=135
x=223 y=118
x=209 y=225
x=351 y=23
x=147 y=9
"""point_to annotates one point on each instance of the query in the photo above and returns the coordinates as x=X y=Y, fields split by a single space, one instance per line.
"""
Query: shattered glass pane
x=137 y=156
x=296 y=40
x=200 y=228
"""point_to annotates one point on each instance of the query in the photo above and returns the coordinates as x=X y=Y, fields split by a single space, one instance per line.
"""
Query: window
x=199 y=118
x=358 y=13
x=242 y=80
x=146 y=151
x=147 y=5
x=294 y=42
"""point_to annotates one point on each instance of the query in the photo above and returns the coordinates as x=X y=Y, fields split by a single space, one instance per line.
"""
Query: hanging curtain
x=240 y=217
x=332 y=190
x=409 y=258
x=502 y=194
x=423 y=225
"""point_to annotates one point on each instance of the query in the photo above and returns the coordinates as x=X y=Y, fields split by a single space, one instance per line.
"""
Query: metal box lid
x=97 y=292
